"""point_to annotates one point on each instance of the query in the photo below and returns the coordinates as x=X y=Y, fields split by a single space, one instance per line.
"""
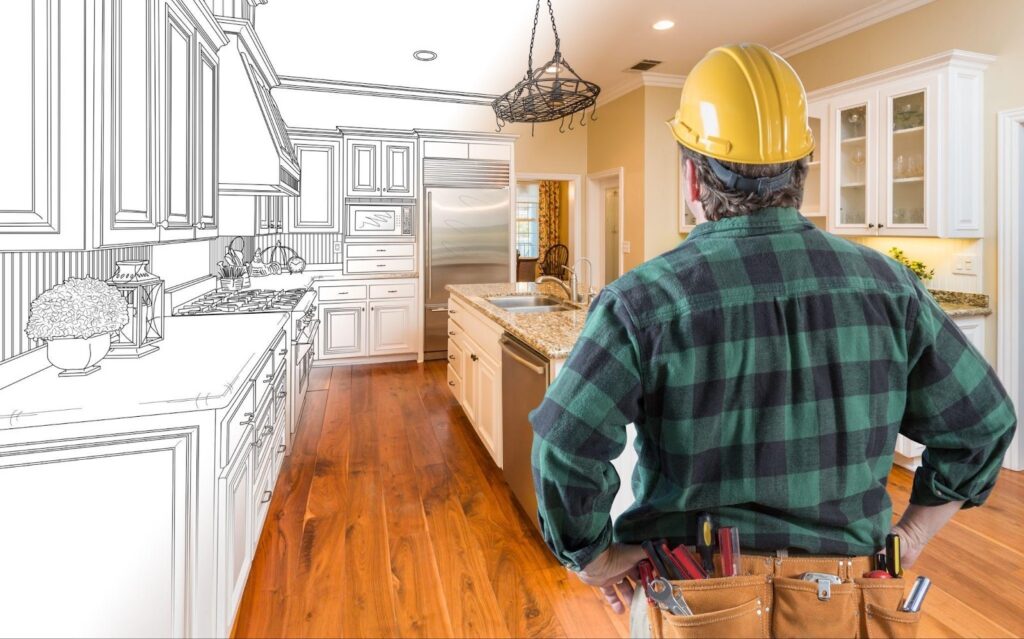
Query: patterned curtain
x=548 y=216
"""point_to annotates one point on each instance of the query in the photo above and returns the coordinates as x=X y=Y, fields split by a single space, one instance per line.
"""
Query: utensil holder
x=231 y=283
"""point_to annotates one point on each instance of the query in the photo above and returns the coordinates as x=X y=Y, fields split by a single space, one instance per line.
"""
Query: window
x=527 y=214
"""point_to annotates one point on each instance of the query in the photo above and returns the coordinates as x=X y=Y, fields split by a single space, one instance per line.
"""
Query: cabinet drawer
x=382 y=265
x=455 y=358
x=334 y=293
x=280 y=390
x=389 y=291
x=379 y=250
x=236 y=427
x=455 y=331
x=280 y=447
x=279 y=352
x=483 y=333
x=264 y=378
x=263 y=433
x=455 y=384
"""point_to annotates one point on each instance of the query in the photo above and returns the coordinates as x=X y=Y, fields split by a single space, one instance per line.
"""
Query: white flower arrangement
x=80 y=307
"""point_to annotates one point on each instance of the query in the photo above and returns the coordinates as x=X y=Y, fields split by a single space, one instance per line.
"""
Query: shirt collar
x=763 y=222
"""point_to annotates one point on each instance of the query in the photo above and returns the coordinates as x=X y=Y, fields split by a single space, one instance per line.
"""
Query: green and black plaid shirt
x=768 y=367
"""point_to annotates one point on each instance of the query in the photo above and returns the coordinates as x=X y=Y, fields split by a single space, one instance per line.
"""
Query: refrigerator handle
x=426 y=245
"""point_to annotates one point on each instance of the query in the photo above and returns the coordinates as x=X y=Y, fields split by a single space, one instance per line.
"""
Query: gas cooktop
x=252 y=301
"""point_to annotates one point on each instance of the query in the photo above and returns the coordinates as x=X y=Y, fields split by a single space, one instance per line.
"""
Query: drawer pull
x=382 y=266
x=382 y=250
x=451 y=383
x=266 y=496
x=343 y=293
x=269 y=378
x=452 y=333
x=473 y=357
x=247 y=423
x=282 y=352
x=281 y=449
x=392 y=291
x=282 y=395
x=451 y=357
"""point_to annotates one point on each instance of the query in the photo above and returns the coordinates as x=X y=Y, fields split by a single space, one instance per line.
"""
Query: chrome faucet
x=572 y=289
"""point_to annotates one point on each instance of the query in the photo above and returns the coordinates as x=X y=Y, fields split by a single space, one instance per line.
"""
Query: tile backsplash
x=23 y=276
x=937 y=254
x=315 y=248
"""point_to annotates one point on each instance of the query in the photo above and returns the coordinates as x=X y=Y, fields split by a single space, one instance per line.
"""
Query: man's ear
x=691 y=180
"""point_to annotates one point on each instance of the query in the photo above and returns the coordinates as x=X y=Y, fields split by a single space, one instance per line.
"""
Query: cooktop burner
x=252 y=301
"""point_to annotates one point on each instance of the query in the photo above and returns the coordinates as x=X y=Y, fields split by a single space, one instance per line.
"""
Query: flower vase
x=77 y=356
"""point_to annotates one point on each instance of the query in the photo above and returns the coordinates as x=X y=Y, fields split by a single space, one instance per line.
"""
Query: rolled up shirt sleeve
x=957 y=408
x=580 y=427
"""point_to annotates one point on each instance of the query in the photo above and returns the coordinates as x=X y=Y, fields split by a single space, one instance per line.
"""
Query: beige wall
x=616 y=140
x=993 y=26
x=661 y=173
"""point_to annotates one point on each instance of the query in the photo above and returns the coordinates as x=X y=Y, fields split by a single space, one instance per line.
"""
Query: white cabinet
x=392 y=327
x=318 y=207
x=380 y=167
x=208 y=154
x=815 y=201
x=487 y=382
x=253 y=214
x=342 y=331
x=99 y=535
x=41 y=127
x=474 y=372
x=370 y=318
x=235 y=533
x=902 y=149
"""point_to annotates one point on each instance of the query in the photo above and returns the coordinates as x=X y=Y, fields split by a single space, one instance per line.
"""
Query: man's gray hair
x=720 y=202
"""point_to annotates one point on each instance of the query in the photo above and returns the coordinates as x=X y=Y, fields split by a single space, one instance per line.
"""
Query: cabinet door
x=235 y=536
x=40 y=111
x=487 y=383
x=908 y=167
x=98 y=536
x=399 y=172
x=208 y=101
x=130 y=175
x=816 y=196
x=853 y=174
x=317 y=209
x=342 y=331
x=363 y=168
x=178 y=205
x=471 y=382
x=392 y=327
x=973 y=329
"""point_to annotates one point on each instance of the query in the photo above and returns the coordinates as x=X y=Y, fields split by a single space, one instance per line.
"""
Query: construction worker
x=768 y=367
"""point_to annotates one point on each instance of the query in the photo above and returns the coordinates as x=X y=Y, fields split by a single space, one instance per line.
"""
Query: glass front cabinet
x=902 y=150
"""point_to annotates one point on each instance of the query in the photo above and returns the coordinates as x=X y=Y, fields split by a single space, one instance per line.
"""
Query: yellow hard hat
x=743 y=103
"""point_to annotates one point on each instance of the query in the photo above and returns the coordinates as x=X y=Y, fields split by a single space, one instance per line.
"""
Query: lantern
x=144 y=293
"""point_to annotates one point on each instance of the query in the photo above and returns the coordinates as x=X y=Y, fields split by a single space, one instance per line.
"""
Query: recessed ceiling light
x=662 y=25
x=423 y=55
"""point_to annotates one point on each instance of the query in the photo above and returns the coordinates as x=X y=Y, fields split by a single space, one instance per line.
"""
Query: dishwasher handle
x=508 y=346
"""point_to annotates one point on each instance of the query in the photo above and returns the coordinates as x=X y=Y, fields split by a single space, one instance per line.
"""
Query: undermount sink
x=531 y=304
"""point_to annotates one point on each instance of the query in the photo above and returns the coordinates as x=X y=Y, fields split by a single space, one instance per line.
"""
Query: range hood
x=256 y=154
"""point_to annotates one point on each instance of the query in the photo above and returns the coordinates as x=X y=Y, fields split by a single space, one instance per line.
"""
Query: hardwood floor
x=390 y=519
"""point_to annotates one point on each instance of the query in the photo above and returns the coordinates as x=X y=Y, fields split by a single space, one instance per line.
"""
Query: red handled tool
x=729 y=549
x=646 y=576
x=687 y=564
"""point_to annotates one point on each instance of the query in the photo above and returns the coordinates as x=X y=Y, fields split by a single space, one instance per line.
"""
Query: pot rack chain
x=533 y=36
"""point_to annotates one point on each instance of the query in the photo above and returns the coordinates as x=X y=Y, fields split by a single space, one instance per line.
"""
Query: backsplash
x=937 y=254
x=23 y=276
x=315 y=248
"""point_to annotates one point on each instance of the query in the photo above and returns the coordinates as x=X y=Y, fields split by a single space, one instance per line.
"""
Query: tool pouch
x=770 y=601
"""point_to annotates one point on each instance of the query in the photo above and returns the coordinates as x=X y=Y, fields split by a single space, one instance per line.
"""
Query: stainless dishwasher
x=524 y=379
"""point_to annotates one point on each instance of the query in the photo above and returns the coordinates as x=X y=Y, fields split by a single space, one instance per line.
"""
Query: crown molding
x=847 y=24
x=384 y=90
x=954 y=57
x=638 y=80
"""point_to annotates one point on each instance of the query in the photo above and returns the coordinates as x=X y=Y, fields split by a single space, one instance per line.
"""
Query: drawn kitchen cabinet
x=380 y=167
x=235 y=533
x=392 y=327
x=42 y=128
x=342 y=331
x=398 y=176
x=208 y=110
x=318 y=207
x=106 y=535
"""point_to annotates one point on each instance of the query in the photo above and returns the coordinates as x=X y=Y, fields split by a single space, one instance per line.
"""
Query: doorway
x=604 y=232
x=546 y=216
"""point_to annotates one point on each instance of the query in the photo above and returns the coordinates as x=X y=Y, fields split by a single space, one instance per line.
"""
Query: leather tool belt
x=770 y=599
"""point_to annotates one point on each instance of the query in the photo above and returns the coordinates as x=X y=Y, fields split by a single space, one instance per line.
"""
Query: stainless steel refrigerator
x=468 y=241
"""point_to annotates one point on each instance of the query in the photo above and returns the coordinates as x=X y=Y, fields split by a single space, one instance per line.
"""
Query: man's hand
x=918 y=525
x=611 y=570
x=911 y=546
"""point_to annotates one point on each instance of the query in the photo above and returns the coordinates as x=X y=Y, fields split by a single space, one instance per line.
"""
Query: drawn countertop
x=315 y=273
x=550 y=334
x=201 y=364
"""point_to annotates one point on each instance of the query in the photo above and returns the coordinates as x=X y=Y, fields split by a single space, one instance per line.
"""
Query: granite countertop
x=554 y=334
x=201 y=364
x=550 y=334
x=962 y=304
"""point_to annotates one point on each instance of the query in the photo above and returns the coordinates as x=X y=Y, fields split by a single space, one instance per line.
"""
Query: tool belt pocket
x=881 y=616
x=799 y=611
x=722 y=607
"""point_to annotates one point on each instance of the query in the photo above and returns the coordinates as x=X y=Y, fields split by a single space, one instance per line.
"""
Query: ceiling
x=482 y=44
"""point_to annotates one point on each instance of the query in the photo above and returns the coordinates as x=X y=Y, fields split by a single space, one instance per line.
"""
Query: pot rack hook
x=583 y=118
x=561 y=125
x=593 y=113
x=571 y=116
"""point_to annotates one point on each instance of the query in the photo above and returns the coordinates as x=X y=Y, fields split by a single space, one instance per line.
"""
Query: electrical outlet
x=338 y=246
x=625 y=246
x=965 y=264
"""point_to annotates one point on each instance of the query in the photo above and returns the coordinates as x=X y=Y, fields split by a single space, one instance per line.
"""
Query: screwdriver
x=706 y=542
x=892 y=552
x=729 y=547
